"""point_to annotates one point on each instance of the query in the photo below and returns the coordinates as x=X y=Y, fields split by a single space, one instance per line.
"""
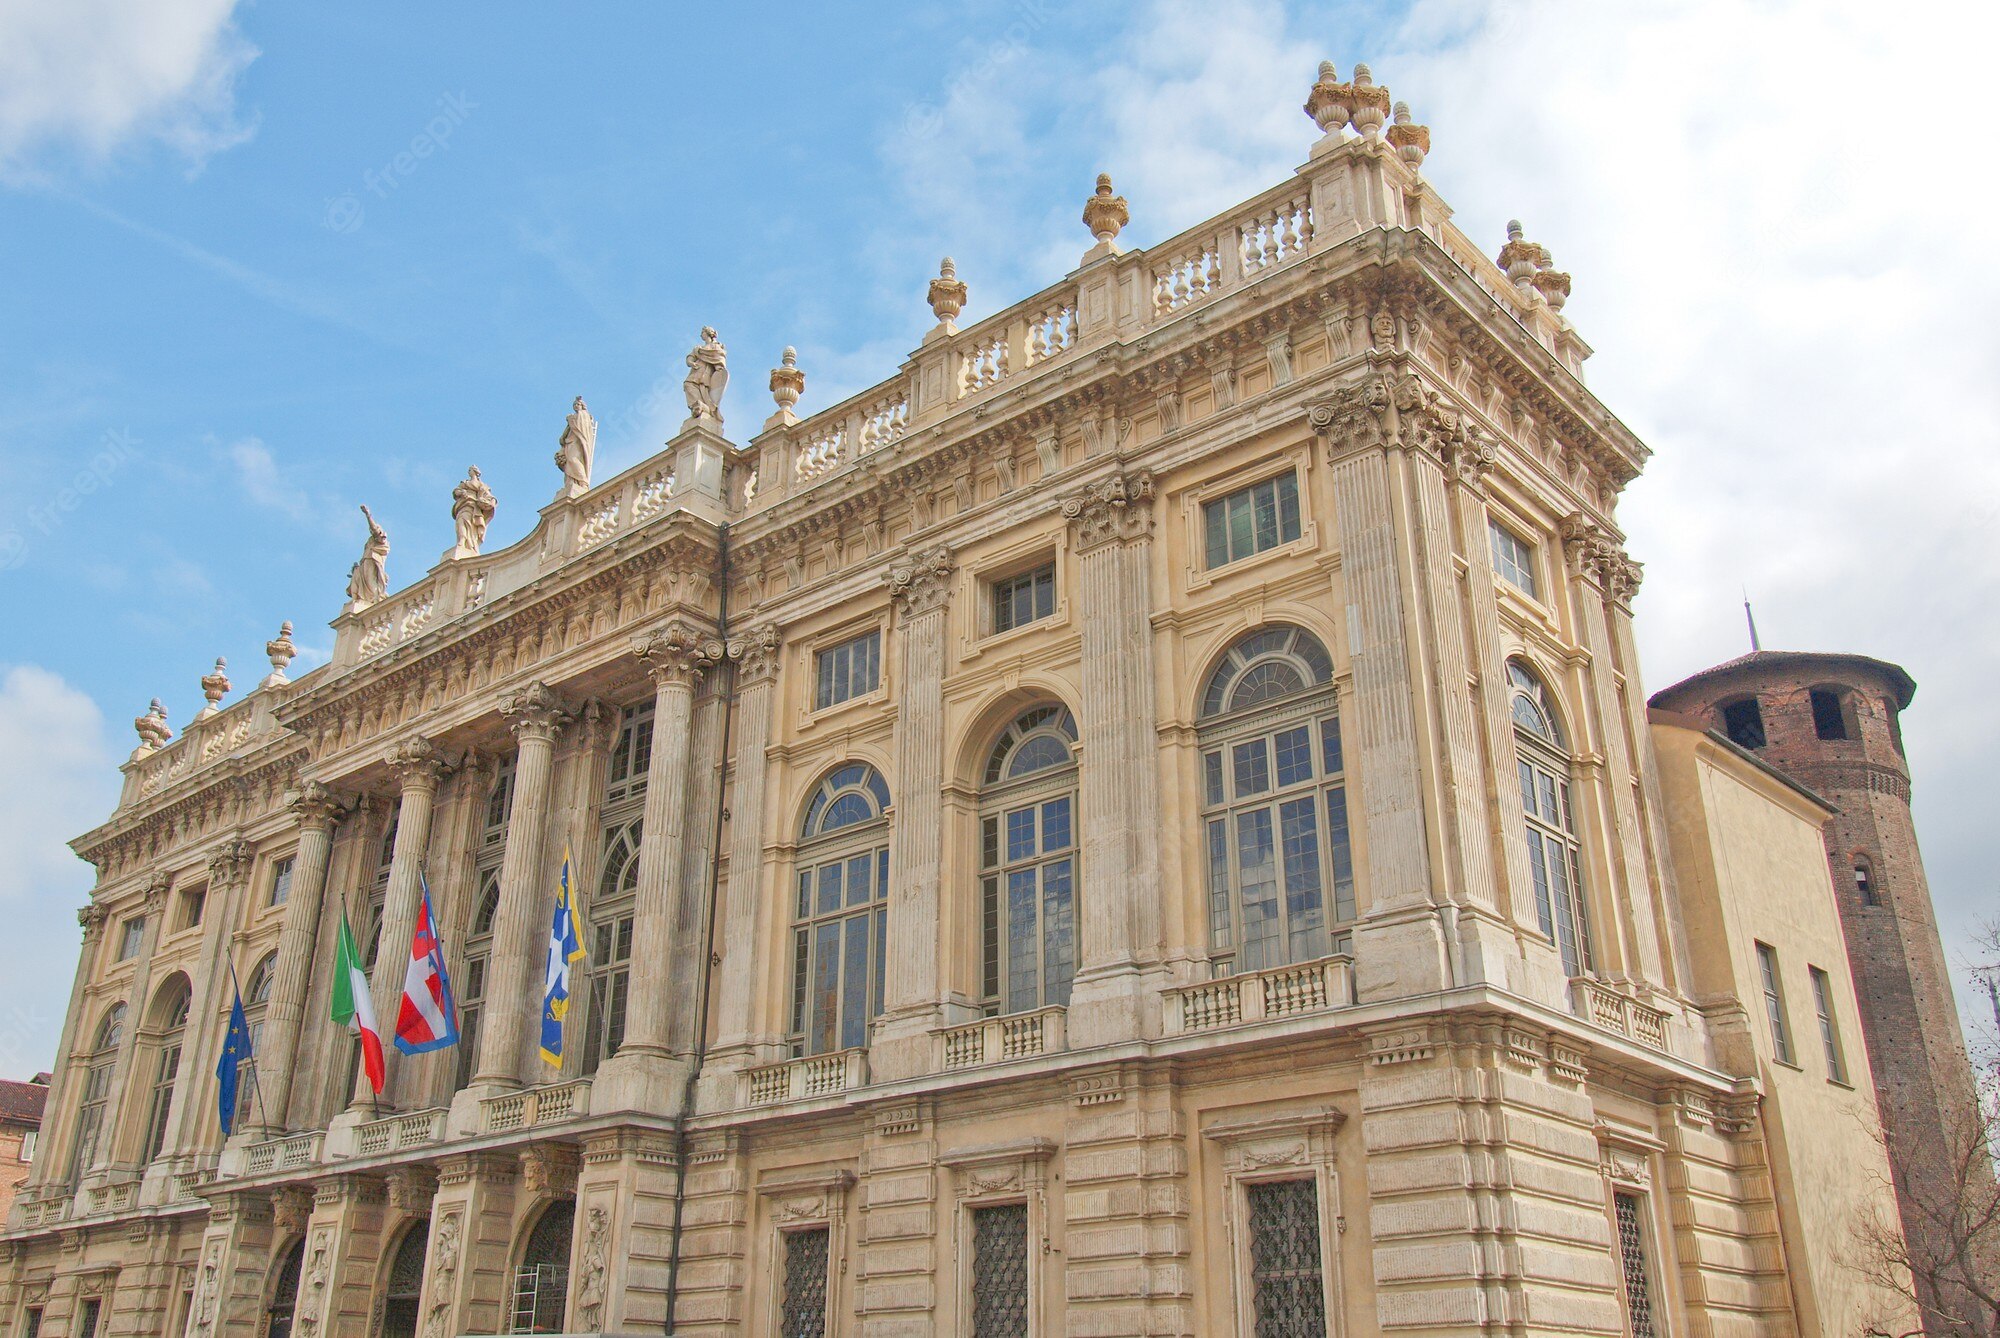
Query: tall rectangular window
x=86 y=1324
x=1000 y=1271
x=281 y=881
x=1634 y=1268
x=1251 y=520
x=31 y=1323
x=802 y=1313
x=1020 y=600
x=1829 y=1033
x=194 y=902
x=1287 y=1293
x=1513 y=559
x=130 y=936
x=1774 y=1003
x=848 y=670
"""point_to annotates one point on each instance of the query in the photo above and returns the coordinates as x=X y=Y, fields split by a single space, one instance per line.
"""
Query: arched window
x=1831 y=711
x=1027 y=861
x=842 y=914
x=612 y=909
x=1274 y=806
x=97 y=1066
x=285 y=1296
x=541 y=1282
x=1743 y=722
x=406 y=1283
x=1864 y=882
x=169 y=1021
x=1555 y=857
x=256 y=1002
x=471 y=982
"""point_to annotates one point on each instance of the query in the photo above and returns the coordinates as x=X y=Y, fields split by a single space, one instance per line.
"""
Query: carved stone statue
x=576 y=450
x=368 y=579
x=590 y=1291
x=472 y=507
x=708 y=374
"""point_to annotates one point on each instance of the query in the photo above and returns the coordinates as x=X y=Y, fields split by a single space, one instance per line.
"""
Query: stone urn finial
x=214 y=686
x=1371 y=104
x=281 y=652
x=788 y=382
x=1330 y=103
x=947 y=294
x=1519 y=257
x=152 y=730
x=1410 y=140
x=1549 y=281
x=1106 y=214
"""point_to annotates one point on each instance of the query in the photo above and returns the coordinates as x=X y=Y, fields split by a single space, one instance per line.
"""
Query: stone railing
x=804 y=1079
x=622 y=505
x=187 y=1185
x=283 y=1154
x=203 y=742
x=417 y=1129
x=1259 y=996
x=534 y=1106
x=1599 y=1004
x=47 y=1212
x=1182 y=278
x=993 y=1040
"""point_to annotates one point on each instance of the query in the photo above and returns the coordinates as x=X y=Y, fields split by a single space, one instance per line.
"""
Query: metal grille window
x=1020 y=600
x=172 y=1013
x=842 y=913
x=1287 y=1293
x=86 y=1324
x=406 y=1283
x=1251 y=520
x=1513 y=559
x=1555 y=854
x=802 y=1313
x=1633 y=1266
x=31 y=1322
x=848 y=670
x=1274 y=805
x=1774 y=1003
x=1027 y=842
x=1000 y=1271
x=96 y=1090
x=1829 y=1032
x=541 y=1281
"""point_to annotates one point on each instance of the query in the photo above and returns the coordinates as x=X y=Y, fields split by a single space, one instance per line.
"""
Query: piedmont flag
x=428 y=1017
x=235 y=1052
x=352 y=1008
x=564 y=948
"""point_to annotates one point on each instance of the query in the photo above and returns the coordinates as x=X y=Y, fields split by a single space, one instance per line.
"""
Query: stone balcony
x=995 y=1040
x=1258 y=996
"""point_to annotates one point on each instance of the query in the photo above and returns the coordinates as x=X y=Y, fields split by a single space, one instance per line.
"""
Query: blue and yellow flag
x=236 y=1053
x=565 y=947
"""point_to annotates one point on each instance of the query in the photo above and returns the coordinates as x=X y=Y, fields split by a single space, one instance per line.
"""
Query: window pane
x=1288 y=508
x=1022 y=955
x=1253 y=767
x=1055 y=825
x=989 y=842
x=1218 y=885
x=1305 y=917
x=1538 y=865
x=1216 y=533
x=1242 y=526
x=825 y=989
x=1257 y=871
x=1058 y=932
x=1211 y=778
x=1330 y=753
x=1264 y=503
x=1294 y=755
x=989 y=935
x=1339 y=854
x=1565 y=908
x=829 y=889
x=859 y=882
x=1021 y=834
x=854 y=985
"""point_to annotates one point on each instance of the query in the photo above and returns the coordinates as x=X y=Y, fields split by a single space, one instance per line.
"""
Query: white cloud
x=94 y=75
x=58 y=778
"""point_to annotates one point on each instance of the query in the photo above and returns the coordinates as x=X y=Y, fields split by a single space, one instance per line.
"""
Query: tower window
x=1743 y=722
x=1864 y=883
x=1829 y=720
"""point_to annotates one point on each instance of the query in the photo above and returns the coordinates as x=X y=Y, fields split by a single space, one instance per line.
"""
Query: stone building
x=1144 y=822
x=20 y=1128
x=1833 y=723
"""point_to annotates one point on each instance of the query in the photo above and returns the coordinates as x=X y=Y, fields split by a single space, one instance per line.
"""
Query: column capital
x=91 y=916
x=230 y=863
x=677 y=652
x=315 y=806
x=1116 y=508
x=156 y=892
x=535 y=711
x=921 y=582
x=1389 y=410
x=1593 y=552
x=418 y=764
x=757 y=653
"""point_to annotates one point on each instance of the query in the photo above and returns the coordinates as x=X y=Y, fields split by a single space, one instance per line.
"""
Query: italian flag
x=352 y=1008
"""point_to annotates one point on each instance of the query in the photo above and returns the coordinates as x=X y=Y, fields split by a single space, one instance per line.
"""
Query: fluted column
x=317 y=811
x=55 y=1153
x=920 y=587
x=419 y=767
x=747 y=946
x=1111 y=525
x=527 y=896
x=208 y=1008
x=112 y=1134
x=676 y=655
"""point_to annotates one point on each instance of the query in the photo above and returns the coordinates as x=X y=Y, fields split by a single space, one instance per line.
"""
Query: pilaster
x=745 y=975
x=1126 y=1206
x=472 y=1227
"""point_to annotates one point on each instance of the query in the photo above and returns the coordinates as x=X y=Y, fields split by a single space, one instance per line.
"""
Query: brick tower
x=1832 y=723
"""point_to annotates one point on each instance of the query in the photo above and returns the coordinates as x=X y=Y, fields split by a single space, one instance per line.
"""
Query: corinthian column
x=920 y=587
x=663 y=943
x=1111 y=524
x=317 y=811
x=527 y=895
x=418 y=767
x=745 y=944
x=208 y=1007
x=49 y=1166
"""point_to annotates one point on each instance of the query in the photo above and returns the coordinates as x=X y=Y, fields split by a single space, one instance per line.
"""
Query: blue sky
x=234 y=312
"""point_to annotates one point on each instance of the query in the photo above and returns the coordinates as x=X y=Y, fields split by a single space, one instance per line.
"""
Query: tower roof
x=1790 y=663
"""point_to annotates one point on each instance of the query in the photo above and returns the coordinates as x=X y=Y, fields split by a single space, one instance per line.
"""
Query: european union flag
x=235 y=1050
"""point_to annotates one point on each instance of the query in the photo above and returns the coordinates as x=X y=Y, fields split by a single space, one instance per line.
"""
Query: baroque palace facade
x=1146 y=822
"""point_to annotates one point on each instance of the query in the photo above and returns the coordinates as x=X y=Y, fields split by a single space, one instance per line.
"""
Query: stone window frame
x=1050 y=550
x=1516 y=527
x=1299 y=459
x=994 y=1175
x=1626 y=1162
x=279 y=871
x=803 y=1202
x=810 y=713
x=1287 y=1145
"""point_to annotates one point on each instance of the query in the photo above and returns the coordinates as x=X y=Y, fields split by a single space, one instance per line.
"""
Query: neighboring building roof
x=21 y=1102
x=1796 y=663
